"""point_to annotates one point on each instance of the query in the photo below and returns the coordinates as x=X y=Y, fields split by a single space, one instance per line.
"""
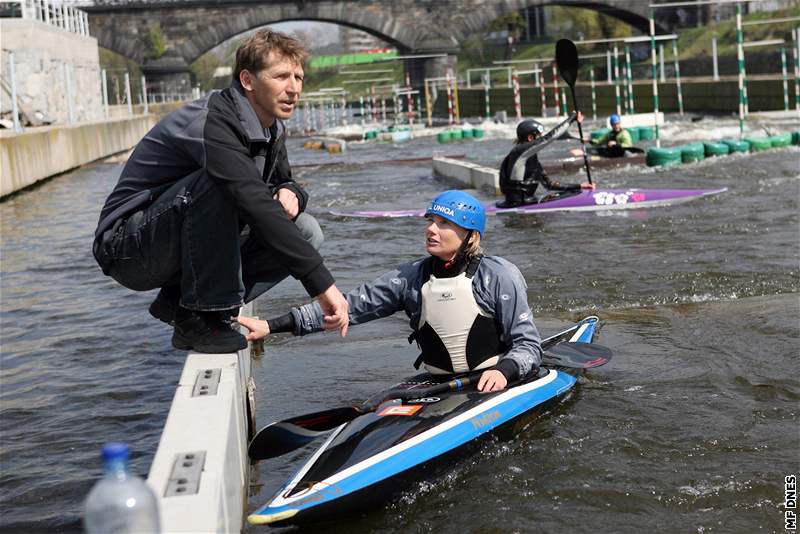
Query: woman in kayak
x=468 y=311
x=521 y=174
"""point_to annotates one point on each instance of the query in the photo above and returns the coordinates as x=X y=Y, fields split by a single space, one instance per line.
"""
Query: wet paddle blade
x=567 y=61
x=285 y=436
x=577 y=355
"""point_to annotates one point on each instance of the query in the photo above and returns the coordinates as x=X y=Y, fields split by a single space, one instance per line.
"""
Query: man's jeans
x=190 y=239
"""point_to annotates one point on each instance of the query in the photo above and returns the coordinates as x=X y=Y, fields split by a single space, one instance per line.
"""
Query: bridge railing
x=59 y=14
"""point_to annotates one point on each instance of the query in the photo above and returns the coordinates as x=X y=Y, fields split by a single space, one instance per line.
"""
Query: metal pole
x=608 y=65
x=629 y=70
x=12 y=74
x=678 y=76
x=616 y=81
x=564 y=101
x=655 y=74
x=785 y=80
x=428 y=105
x=409 y=100
x=594 y=96
x=714 y=56
x=128 y=93
x=556 y=92
x=796 y=53
x=542 y=87
x=374 y=105
x=104 y=86
x=625 y=98
x=517 y=102
x=661 y=56
x=361 y=104
x=68 y=94
x=740 y=59
x=486 y=87
x=144 y=95
x=449 y=99
x=508 y=71
x=455 y=98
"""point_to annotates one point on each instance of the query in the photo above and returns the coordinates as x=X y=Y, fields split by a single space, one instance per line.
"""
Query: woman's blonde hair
x=474 y=248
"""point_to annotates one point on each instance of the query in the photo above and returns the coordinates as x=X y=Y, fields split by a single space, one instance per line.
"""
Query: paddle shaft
x=406 y=394
x=580 y=132
x=567 y=60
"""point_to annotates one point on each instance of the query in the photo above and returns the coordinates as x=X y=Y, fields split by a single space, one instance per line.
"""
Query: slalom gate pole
x=678 y=75
x=740 y=59
x=655 y=74
x=616 y=81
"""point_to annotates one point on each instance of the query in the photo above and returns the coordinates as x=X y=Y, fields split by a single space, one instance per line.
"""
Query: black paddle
x=567 y=61
x=285 y=436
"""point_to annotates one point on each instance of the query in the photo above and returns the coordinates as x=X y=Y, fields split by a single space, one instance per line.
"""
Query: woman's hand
x=257 y=329
x=587 y=185
x=492 y=380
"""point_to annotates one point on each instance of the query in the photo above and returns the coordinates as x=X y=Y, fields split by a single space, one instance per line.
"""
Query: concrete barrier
x=39 y=153
x=200 y=472
x=468 y=174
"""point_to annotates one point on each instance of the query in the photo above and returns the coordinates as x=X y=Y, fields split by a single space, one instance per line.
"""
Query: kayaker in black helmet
x=521 y=173
x=467 y=311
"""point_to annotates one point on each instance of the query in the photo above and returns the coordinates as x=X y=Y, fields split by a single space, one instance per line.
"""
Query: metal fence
x=59 y=14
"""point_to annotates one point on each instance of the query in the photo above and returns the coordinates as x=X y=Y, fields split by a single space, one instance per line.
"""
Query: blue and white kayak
x=376 y=456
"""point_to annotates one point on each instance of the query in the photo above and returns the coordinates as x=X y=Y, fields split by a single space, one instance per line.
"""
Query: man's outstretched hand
x=335 y=310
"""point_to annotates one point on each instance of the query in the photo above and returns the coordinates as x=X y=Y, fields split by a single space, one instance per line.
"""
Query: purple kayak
x=597 y=200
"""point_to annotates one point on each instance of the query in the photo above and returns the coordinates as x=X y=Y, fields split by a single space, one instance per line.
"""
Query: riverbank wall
x=39 y=153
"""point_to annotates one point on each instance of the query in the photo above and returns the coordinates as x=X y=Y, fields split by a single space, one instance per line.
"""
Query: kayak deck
x=597 y=200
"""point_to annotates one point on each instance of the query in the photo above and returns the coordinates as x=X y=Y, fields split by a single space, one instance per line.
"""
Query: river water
x=691 y=428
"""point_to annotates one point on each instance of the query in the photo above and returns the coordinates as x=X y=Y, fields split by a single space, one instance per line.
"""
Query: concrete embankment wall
x=38 y=153
x=201 y=471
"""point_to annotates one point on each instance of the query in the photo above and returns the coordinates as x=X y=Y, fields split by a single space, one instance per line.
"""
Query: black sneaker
x=165 y=305
x=207 y=332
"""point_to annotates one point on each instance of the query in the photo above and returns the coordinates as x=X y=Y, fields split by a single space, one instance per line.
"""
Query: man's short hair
x=253 y=53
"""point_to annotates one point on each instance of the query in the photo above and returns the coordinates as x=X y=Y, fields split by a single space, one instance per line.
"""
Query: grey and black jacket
x=499 y=289
x=521 y=167
x=221 y=135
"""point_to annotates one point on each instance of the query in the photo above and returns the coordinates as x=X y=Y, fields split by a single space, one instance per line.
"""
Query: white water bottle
x=120 y=502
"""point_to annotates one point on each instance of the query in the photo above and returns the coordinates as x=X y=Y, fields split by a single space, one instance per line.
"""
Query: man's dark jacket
x=221 y=136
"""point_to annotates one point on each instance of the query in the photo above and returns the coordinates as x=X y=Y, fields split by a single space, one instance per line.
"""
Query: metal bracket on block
x=186 y=472
x=206 y=383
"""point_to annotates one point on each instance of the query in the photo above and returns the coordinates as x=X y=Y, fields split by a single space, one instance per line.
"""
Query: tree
x=158 y=43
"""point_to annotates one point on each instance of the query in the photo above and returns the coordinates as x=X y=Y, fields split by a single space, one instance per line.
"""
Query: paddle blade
x=567 y=61
x=577 y=355
x=281 y=437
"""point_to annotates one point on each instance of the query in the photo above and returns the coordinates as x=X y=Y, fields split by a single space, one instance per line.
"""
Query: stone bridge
x=192 y=27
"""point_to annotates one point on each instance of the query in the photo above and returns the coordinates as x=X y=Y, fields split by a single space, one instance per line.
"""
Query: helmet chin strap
x=460 y=253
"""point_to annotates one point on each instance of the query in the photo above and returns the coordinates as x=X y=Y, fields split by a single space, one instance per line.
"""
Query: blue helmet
x=460 y=208
x=614 y=119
